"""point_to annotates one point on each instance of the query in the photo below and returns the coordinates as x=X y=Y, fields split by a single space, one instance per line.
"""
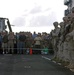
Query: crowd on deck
x=63 y=40
x=60 y=39
x=21 y=42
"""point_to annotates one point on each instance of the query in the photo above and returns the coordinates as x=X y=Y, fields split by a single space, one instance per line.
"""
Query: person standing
x=0 y=43
x=55 y=36
x=38 y=41
x=5 y=42
x=22 y=40
x=11 y=39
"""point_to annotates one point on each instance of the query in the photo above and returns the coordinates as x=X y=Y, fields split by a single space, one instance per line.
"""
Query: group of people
x=6 y=42
x=21 y=42
x=62 y=38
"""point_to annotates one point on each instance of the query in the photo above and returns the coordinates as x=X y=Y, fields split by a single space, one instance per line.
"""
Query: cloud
x=43 y=20
x=36 y=9
x=36 y=17
x=19 y=21
x=48 y=9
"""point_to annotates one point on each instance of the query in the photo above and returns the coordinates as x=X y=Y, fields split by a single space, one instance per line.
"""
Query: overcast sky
x=32 y=15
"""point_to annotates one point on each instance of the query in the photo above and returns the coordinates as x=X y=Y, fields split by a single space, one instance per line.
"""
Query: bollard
x=31 y=51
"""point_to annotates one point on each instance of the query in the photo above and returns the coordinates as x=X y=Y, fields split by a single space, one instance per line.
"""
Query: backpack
x=22 y=38
x=5 y=38
x=0 y=38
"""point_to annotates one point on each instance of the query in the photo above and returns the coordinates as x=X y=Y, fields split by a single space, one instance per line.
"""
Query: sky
x=32 y=15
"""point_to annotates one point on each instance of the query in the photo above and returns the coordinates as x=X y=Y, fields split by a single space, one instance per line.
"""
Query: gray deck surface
x=30 y=65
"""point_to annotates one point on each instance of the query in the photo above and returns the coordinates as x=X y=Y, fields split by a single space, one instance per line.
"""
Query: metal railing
x=26 y=50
